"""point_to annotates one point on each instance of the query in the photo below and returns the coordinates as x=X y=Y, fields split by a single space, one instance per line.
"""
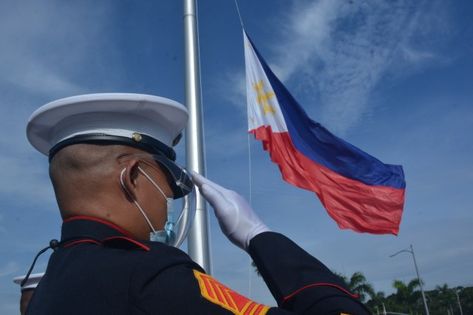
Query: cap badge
x=136 y=137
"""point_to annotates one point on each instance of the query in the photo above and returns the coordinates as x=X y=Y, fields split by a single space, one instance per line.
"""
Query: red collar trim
x=135 y=242
x=73 y=243
x=108 y=223
x=126 y=236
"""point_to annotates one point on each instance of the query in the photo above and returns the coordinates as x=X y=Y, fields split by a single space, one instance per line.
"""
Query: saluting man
x=112 y=166
x=27 y=289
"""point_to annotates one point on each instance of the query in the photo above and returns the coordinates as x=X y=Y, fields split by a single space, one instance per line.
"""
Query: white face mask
x=164 y=236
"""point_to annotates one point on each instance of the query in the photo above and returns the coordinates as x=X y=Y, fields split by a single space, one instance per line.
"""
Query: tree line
x=407 y=298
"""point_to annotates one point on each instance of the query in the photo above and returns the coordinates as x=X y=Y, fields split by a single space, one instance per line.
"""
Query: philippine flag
x=358 y=191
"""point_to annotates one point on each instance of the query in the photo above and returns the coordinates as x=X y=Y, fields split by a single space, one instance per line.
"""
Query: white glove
x=235 y=216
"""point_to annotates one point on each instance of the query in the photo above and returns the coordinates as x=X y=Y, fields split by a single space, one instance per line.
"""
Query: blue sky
x=392 y=77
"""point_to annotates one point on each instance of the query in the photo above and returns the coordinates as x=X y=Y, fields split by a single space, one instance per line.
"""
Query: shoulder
x=185 y=290
x=146 y=253
x=152 y=261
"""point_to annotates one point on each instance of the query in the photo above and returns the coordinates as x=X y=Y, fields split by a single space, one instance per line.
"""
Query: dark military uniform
x=99 y=269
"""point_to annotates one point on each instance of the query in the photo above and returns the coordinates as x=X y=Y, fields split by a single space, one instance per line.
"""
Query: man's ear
x=128 y=176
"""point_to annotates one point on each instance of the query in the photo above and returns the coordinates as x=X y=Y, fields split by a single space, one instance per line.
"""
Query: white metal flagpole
x=198 y=240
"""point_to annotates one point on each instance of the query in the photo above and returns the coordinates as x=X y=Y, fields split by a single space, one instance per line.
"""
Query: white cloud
x=24 y=171
x=41 y=61
x=347 y=47
x=24 y=180
x=39 y=57
x=234 y=85
x=336 y=52
x=305 y=35
x=41 y=79
x=416 y=56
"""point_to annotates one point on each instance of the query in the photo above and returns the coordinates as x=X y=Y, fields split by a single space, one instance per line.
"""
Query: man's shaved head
x=82 y=161
x=82 y=171
x=105 y=181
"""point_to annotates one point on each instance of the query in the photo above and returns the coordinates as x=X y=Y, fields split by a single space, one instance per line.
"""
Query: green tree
x=375 y=304
x=446 y=297
x=407 y=298
x=442 y=300
x=359 y=285
x=466 y=300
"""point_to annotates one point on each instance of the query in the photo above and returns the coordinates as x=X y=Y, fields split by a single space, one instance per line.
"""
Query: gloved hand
x=235 y=216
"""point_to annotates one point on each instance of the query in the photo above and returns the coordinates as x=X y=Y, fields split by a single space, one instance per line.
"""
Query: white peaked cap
x=32 y=281
x=113 y=114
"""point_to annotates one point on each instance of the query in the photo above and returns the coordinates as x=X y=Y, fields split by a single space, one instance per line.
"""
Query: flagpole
x=198 y=239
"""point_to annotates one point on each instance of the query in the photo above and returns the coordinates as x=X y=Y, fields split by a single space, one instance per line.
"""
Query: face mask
x=164 y=236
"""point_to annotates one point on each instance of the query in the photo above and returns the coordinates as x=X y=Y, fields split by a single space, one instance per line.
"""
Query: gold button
x=136 y=136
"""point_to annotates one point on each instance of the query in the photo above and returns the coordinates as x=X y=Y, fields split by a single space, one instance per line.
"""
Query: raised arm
x=299 y=282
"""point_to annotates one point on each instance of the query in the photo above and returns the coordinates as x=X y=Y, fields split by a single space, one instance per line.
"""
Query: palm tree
x=446 y=297
x=358 y=285
x=407 y=295
x=376 y=302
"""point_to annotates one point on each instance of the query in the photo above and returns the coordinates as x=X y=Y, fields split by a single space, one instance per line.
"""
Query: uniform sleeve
x=183 y=290
x=300 y=283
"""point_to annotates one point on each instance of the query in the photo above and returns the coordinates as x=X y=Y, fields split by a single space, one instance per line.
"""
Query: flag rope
x=250 y=173
x=250 y=200
x=239 y=15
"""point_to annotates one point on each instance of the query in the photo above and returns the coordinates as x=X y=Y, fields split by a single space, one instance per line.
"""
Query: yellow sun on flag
x=263 y=97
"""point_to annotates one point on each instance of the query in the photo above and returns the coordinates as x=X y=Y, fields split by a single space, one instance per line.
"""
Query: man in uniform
x=113 y=171
x=27 y=289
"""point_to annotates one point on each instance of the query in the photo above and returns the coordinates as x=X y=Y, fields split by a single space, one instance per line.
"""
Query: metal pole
x=420 y=282
x=418 y=276
x=198 y=241
x=459 y=304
